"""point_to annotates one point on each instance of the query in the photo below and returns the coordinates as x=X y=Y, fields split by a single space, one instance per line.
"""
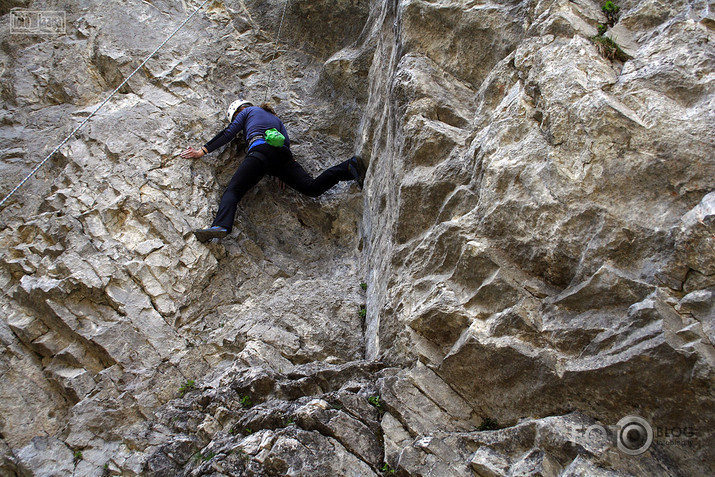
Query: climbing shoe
x=357 y=169
x=204 y=235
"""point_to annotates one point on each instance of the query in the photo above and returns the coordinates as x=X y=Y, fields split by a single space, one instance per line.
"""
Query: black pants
x=264 y=159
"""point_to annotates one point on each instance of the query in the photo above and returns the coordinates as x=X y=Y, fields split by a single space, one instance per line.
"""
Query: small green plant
x=611 y=10
x=488 y=424
x=186 y=387
x=375 y=401
x=363 y=312
x=248 y=431
x=363 y=285
x=387 y=470
x=609 y=49
x=77 y=457
x=245 y=401
x=242 y=454
x=200 y=457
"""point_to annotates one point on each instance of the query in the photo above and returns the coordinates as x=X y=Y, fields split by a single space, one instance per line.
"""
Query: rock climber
x=268 y=153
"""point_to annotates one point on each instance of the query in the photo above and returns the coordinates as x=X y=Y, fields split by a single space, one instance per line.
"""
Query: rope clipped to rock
x=32 y=173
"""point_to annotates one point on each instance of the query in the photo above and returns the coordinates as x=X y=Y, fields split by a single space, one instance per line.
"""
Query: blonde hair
x=268 y=107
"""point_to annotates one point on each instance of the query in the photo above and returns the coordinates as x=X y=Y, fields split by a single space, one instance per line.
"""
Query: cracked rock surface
x=531 y=260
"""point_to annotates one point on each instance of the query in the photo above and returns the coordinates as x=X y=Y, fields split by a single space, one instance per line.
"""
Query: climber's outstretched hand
x=192 y=153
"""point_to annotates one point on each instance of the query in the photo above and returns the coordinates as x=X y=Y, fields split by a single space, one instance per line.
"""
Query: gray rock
x=7 y=460
x=46 y=456
x=532 y=249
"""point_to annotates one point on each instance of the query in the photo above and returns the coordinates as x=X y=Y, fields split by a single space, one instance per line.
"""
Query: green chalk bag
x=275 y=138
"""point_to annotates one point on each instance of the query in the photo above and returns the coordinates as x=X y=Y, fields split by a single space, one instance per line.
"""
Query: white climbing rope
x=32 y=173
x=275 y=50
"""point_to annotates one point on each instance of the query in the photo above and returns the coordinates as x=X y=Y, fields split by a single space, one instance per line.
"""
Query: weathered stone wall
x=533 y=247
x=532 y=210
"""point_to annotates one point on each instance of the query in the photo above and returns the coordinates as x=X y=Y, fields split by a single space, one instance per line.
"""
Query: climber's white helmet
x=235 y=106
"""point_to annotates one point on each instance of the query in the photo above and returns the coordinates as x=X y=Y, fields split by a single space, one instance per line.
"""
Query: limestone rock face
x=531 y=261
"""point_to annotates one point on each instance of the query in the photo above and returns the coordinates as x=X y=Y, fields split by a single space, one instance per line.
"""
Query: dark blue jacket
x=252 y=121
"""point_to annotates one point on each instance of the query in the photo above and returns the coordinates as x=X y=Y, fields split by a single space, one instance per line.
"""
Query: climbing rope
x=32 y=173
x=275 y=50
